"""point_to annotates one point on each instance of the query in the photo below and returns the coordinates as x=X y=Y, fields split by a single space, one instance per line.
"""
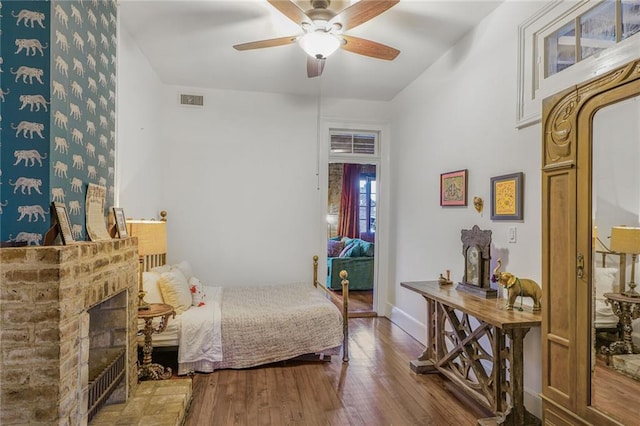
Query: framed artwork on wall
x=453 y=188
x=506 y=197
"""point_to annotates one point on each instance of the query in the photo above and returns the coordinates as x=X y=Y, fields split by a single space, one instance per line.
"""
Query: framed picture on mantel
x=61 y=219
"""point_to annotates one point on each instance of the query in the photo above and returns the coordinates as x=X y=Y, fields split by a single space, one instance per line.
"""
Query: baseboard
x=533 y=402
x=415 y=328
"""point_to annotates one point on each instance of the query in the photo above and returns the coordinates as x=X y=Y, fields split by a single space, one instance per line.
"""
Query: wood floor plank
x=376 y=387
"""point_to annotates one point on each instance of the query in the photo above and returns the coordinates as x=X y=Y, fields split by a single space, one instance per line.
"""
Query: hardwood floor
x=376 y=387
x=613 y=392
x=360 y=303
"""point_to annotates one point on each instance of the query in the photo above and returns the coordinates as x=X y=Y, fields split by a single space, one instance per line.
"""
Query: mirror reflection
x=615 y=372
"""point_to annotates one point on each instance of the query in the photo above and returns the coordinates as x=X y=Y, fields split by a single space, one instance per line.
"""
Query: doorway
x=351 y=232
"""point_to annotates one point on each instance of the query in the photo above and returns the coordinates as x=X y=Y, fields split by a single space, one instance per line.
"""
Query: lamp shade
x=319 y=44
x=151 y=234
x=625 y=239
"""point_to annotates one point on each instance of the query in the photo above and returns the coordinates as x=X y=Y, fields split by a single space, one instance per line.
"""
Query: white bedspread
x=200 y=334
x=260 y=325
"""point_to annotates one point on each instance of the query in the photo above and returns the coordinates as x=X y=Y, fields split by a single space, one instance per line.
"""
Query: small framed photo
x=120 y=222
x=453 y=188
x=62 y=222
x=506 y=197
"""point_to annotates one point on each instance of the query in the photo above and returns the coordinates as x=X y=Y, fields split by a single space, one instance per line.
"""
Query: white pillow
x=160 y=269
x=197 y=292
x=175 y=290
x=185 y=268
x=150 y=286
x=606 y=280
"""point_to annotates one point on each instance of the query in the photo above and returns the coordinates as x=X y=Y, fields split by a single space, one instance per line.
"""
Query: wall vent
x=191 y=100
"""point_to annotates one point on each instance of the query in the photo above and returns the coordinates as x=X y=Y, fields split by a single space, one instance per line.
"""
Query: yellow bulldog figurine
x=517 y=287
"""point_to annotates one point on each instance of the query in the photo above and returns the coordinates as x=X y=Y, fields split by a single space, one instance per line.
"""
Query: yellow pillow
x=175 y=290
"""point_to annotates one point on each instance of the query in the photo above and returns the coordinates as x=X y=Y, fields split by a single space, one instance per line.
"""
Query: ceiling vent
x=191 y=100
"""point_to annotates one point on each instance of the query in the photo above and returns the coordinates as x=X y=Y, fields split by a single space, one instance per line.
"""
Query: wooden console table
x=483 y=354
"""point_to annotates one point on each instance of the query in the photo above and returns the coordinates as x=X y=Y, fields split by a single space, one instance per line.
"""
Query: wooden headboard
x=152 y=240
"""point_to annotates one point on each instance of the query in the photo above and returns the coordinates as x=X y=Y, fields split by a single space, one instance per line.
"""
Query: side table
x=148 y=369
x=627 y=309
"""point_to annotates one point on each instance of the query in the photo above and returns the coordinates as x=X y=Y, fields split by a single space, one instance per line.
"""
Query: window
x=358 y=143
x=568 y=41
x=367 y=210
x=561 y=49
x=595 y=30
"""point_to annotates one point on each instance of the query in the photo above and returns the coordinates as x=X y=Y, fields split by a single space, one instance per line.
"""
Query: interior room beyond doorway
x=351 y=233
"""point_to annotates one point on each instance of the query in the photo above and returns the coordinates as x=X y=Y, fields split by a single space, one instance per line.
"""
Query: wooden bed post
x=315 y=271
x=345 y=315
x=336 y=300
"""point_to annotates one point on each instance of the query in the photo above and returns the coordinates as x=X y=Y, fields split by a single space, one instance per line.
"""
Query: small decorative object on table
x=476 y=249
x=515 y=286
x=445 y=281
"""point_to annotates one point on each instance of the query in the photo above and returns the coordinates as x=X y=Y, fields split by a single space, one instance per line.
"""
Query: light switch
x=513 y=235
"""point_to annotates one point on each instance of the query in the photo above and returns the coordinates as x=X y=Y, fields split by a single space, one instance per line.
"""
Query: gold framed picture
x=506 y=197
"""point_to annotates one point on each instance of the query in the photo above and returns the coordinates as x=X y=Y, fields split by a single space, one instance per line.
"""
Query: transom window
x=356 y=143
x=595 y=30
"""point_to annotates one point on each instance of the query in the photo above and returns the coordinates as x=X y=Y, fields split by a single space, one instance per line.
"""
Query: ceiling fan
x=323 y=31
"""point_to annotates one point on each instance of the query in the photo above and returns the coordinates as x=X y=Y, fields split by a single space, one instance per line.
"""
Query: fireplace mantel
x=45 y=294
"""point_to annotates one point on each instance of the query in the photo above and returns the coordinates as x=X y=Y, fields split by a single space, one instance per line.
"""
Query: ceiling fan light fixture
x=319 y=44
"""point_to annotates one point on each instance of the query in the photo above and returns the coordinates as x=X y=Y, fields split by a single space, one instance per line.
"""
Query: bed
x=242 y=327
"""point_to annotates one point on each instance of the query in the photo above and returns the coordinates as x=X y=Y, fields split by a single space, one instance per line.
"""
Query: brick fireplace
x=49 y=296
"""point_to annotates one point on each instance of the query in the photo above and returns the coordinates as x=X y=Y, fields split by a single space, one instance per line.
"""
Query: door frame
x=381 y=161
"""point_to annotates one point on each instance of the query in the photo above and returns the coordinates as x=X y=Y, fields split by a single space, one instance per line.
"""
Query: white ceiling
x=189 y=43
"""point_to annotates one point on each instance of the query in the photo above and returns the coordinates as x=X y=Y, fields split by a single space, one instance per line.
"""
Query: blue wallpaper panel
x=64 y=81
x=25 y=106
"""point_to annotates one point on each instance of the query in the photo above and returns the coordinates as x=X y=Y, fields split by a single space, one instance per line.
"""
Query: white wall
x=459 y=114
x=242 y=186
x=139 y=172
x=237 y=177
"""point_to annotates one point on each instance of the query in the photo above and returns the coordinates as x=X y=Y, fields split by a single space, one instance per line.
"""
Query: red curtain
x=349 y=202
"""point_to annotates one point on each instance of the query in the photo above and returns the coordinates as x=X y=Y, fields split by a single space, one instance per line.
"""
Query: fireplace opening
x=106 y=357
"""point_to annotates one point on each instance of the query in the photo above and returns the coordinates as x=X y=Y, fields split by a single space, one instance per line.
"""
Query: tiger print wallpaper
x=57 y=111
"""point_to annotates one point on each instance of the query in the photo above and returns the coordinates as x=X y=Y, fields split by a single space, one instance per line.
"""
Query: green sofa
x=357 y=259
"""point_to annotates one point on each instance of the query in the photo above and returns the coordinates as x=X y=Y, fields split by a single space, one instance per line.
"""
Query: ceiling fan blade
x=370 y=48
x=314 y=66
x=290 y=10
x=362 y=11
x=281 y=41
